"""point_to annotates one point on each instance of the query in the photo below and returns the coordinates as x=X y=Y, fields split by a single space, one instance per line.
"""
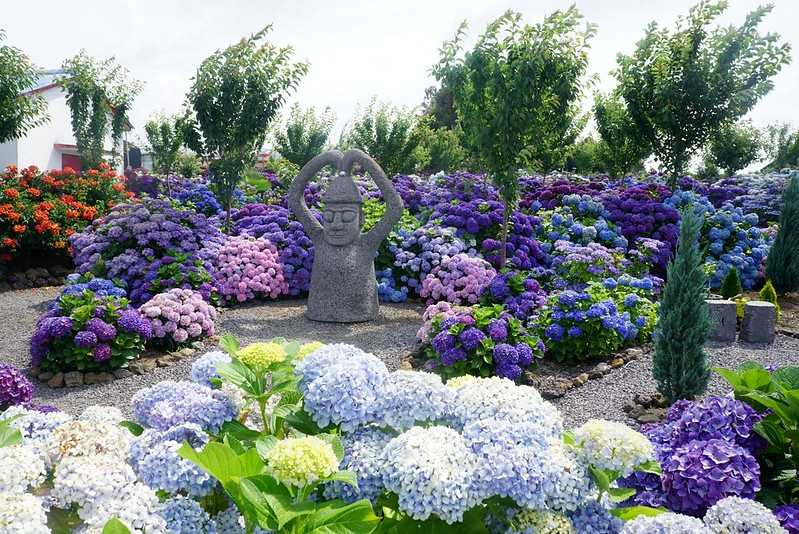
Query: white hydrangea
x=102 y=414
x=500 y=398
x=135 y=505
x=611 y=445
x=21 y=468
x=666 y=523
x=458 y=381
x=36 y=427
x=734 y=515
x=84 y=438
x=22 y=513
x=82 y=480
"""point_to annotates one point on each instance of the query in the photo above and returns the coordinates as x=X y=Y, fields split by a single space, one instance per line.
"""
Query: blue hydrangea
x=593 y=518
x=185 y=516
x=409 y=397
x=362 y=451
x=204 y=368
x=154 y=458
x=170 y=403
x=340 y=384
x=36 y=427
x=431 y=471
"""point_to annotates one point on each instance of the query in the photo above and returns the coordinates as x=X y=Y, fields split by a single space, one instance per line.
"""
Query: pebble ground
x=391 y=338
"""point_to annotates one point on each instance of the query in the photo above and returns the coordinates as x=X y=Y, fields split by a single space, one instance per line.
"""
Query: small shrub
x=768 y=294
x=88 y=332
x=731 y=285
x=782 y=266
x=680 y=363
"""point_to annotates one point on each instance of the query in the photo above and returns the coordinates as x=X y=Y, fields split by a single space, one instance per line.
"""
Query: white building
x=51 y=145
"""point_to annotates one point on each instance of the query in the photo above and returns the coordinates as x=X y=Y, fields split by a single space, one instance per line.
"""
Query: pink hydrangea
x=441 y=309
x=458 y=280
x=178 y=316
x=247 y=268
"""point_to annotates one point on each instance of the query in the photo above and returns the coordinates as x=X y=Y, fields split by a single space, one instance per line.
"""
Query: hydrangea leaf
x=336 y=517
x=8 y=435
x=787 y=377
x=135 y=428
x=115 y=526
x=348 y=477
x=631 y=512
x=272 y=500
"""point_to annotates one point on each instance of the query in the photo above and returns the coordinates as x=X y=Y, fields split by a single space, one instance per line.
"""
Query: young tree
x=782 y=147
x=680 y=365
x=387 y=133
x=516 y=94
x=303 y=135
x=681 y=86
x=623 y=149
x=782 y=264
x=439 y=148
x=236 y=93
x=165 y=137
x=731 y=285
x=99 y=96
x=18 y=113
x=734 y=146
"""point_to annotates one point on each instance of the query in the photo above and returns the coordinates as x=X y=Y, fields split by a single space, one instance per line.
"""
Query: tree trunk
x=503 y=253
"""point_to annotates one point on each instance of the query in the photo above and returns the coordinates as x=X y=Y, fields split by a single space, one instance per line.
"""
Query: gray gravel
x=391 y=337
x=603 y=398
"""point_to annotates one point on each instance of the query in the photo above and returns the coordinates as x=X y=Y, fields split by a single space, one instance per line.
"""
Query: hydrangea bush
x=246 y=269
x=459 y=279
x=179 y=316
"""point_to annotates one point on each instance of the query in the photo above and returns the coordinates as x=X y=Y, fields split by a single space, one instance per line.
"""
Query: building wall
x=8 y=154
x=37 y=147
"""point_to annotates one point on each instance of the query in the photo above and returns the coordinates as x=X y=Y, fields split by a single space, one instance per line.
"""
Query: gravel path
x=391 y=337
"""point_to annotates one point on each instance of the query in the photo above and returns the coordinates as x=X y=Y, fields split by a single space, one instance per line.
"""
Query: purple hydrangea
x=85 y=339
x=169 y=403
x=15 y=388
x=132 y=321
x=717 y=418
x=471 y=338
x=788 y=515
x=102 y=353
x=498 y=330
x=103 y=330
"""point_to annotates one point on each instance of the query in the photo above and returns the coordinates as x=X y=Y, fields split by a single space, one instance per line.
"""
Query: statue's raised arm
x=296 y=196
x=394 y=204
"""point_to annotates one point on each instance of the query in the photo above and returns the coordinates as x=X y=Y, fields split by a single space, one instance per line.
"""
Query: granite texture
x=760 y=321
x=723 y=320
x=343 y=288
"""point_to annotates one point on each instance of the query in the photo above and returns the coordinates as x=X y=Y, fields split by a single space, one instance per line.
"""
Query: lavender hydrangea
x=409 y=397
x=185 y=516
x=362 y=455
x=170 y=403
x=788 y=516
x=594 y=518
x=203 y=369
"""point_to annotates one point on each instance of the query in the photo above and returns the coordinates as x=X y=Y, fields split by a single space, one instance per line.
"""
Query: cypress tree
x=770 y=295
x=731 y=285
x=680 y=364
x=782 y=265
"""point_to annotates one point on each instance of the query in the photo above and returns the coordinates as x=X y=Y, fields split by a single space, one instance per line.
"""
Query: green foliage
x=236 y=93
x=386 y=133
x=680 y=364
x=584 y=157
x=439 y=148
x=782 y=147
x=768 y=294
x=680 y=86
x=115 y=526
x=283 y=168
x=782 y=265
x=731 y=285
x=734 y=146
x=304 y=134
x=776 y=396
x=8 y=434
x=623 y=148
x=99 y=96
x=165 y=137
x=18 y=114
x=516 y=94
x=439 y=108
x=187 y=165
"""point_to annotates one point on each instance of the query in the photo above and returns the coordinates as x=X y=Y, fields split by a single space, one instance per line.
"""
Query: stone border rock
x=35 y=277
x=553 y=387
x=139 y=366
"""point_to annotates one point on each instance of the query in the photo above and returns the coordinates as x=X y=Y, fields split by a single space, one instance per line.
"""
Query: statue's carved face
x=342 y=223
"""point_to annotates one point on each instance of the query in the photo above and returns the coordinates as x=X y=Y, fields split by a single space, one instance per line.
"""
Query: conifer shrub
x=731 y=285
x=782 y=265
x=769 y=294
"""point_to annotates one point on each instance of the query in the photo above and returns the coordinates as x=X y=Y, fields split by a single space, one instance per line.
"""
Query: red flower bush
x=40 y=210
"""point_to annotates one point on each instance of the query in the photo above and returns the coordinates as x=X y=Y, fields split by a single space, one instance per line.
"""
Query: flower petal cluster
x=409 y=397
x=170 y=403
x=179 y=315
x=665 y=523
x=22 y=513
x=21 y=468
x=432 y=472
x=101 y=414
x=733 y=515
x=362 y=455
x=248 y=268
x=262 y=354
x=302 y=461
x=459 y=279
x=203 y=369
x=87 y=439
x=36 y=427
x=15 y=388
x=613 y=446
x=185 y=516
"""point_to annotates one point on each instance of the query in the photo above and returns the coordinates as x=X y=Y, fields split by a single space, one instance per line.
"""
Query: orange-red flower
x=19 y=228
x=11 y=193
x=8 y=242
x=32 y=191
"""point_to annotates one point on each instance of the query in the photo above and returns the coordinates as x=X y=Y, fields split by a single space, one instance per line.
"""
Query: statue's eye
x=347 y=216
x=329 y=216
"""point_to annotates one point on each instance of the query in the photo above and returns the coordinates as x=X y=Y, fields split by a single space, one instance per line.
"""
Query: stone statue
x=343 y=285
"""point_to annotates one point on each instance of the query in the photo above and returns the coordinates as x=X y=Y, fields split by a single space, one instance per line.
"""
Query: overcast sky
x=355 y=49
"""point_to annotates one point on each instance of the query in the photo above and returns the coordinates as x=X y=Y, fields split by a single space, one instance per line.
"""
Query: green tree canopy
x=682 y=85
x=235 y=95
x=165 y=137
x=387 y=133
x=304 y=133
x=517 y=92
x=18 y=113
x=99 y=95
x=623 y=149
x=734 y=146
x=781 y=144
